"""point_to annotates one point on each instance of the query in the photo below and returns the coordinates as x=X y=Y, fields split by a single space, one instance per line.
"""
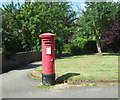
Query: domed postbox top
x=47 y=35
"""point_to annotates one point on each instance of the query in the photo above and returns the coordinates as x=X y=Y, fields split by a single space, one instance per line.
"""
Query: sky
x=74 y=5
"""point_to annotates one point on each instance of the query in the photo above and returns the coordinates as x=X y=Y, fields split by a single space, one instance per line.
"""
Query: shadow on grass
x=111 y=54
x=74 y=55
x=65 y=77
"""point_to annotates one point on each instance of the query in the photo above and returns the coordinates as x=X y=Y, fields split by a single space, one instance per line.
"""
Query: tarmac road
x=16 y=84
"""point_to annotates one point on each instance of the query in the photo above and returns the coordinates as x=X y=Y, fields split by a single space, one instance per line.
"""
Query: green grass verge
x=44 y=87
x=86 y=67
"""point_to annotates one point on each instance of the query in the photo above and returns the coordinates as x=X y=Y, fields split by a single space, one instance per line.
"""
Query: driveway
x=16 y=84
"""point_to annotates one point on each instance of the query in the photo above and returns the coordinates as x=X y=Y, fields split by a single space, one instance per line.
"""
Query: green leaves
x=95 y=19
x=31 y=19
x=80 y=42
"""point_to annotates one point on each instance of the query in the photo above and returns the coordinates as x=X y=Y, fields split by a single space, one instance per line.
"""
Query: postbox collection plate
x=48 y=50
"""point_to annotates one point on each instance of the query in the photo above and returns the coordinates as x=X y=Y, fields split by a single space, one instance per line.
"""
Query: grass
x=44 y=87
x=86 y=67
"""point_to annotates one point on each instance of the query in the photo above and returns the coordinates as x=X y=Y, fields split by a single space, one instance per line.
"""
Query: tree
x=111 y=37
x=33 y=18
x=97 y=17
x=10 y=40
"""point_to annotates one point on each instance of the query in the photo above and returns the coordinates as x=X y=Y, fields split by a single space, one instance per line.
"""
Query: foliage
x=22 y=23
x=11 y=44
x=98 y=16
x=84 y=46
x=67 y=48
x=111 y=38
x=80 y=45
x=10 y=40
x=80 y=42
x=95 y=18
x=28 y=20
x=90 y=46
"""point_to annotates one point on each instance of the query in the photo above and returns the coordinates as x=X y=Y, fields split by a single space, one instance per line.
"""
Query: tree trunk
x=98 y=46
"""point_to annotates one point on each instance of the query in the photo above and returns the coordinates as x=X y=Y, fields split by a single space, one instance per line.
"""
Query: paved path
x=16 y=84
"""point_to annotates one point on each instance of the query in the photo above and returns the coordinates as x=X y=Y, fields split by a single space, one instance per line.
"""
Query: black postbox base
x=48 y=79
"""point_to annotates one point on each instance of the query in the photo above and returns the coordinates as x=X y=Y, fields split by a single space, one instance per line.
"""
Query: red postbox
x=48 y=56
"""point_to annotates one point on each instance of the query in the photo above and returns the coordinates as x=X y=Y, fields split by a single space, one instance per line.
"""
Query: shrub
x=78 y=45
x=75 y=50
x=67 y=48
x=91 y=45
x=79 y=42
x=11 y=44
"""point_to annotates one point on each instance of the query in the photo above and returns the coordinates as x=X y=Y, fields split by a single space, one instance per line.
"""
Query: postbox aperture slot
x=47 y=40
x=48 y=50
x=48 y=43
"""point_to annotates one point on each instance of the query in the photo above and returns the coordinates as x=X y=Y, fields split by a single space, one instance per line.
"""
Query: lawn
x=86 y=67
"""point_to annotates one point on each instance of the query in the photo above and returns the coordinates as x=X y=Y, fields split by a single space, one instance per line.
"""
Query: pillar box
x=48 y=57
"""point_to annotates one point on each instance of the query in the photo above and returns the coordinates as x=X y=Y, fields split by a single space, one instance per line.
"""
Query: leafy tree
x=10 y=41
x=111 y=38
x=30 y=19
x=97 y=17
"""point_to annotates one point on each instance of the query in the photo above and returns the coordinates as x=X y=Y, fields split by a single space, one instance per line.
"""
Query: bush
x=91 y=45
x=58 y=46
x=67 y=48
x=79 y=42
x=79 y=46
x=75 y=50
x=11 y=44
